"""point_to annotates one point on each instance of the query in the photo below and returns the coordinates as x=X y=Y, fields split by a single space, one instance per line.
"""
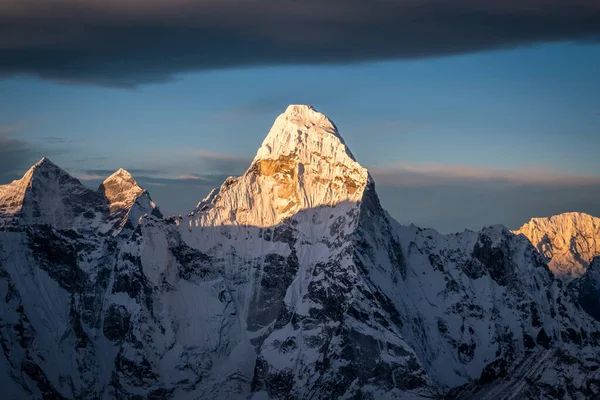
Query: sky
x=466 y=116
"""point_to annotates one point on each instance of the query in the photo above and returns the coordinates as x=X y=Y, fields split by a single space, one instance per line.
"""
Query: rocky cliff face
x=567 y=241
x=289 y=282
x=587 y=289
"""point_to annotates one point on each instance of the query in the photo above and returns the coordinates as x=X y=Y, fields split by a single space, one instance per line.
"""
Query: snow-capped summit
x=126 y=198
x=47 y=194
x=568 y=241
x=302 y=163
x=45 y=164
x=42 y=172
x=121 y=190
x=305 y=132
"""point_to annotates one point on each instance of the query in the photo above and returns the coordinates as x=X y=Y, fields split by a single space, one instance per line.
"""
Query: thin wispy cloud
x=108 y=172
x=7 y=130
x=268 y=105
x=192 y=177
x=127 y=43
x=221 y=163
x=453 y=197
x=90 y=177
x=156 y=184
x=210 y=155
x=54 y=140
x=405 y=174
x=16 y=127
x=88 y=159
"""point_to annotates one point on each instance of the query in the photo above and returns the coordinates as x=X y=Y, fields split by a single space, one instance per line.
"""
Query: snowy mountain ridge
x=288 y=282
x=126 y=199
x=568 y=241
x=47 y=195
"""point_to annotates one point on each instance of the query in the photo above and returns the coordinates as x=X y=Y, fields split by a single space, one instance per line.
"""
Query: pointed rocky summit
x=126 y=197
x=121 y=190
x=302 y=163
x=47 y=194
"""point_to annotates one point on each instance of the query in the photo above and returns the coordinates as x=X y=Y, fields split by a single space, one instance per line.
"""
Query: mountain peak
x=122 y=172
x=123 y=177
x=121 y=190
x=303 y=112
x=293 y=108
x=44 y=161
x=44 y=165
x=126 y=198
x=568 y=241
x=303 y=163
x=303 y=131
x=572 y=217
x=46 y=194
x=45 y=172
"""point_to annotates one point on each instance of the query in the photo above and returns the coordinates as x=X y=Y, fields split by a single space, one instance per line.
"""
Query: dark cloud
x=18 y=155
x=125 y=43
x=15 y=156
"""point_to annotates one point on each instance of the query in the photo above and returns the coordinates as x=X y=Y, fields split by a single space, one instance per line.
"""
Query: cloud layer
x=115 y=42
x=18 y=154
x=451 y=198
x=410 y=174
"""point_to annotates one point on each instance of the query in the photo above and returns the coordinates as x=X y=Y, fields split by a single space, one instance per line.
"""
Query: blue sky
x=531 y=112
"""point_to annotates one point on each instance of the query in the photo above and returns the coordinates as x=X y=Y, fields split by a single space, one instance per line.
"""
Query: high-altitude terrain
x=567 y=241
x=288 y=282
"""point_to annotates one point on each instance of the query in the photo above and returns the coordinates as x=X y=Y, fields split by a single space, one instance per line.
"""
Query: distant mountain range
x=567 y=241
x=288 y=282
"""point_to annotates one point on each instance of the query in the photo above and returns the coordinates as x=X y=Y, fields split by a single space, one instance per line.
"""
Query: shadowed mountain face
x=289 y=282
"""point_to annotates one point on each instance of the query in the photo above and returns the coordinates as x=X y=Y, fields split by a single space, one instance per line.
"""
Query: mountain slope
x=290 y=281
x=289 y=232
x=85 y=317
x=126 y=200
x=487 y=307
x=48 y=195
x=567 y=241
x=587 y=289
